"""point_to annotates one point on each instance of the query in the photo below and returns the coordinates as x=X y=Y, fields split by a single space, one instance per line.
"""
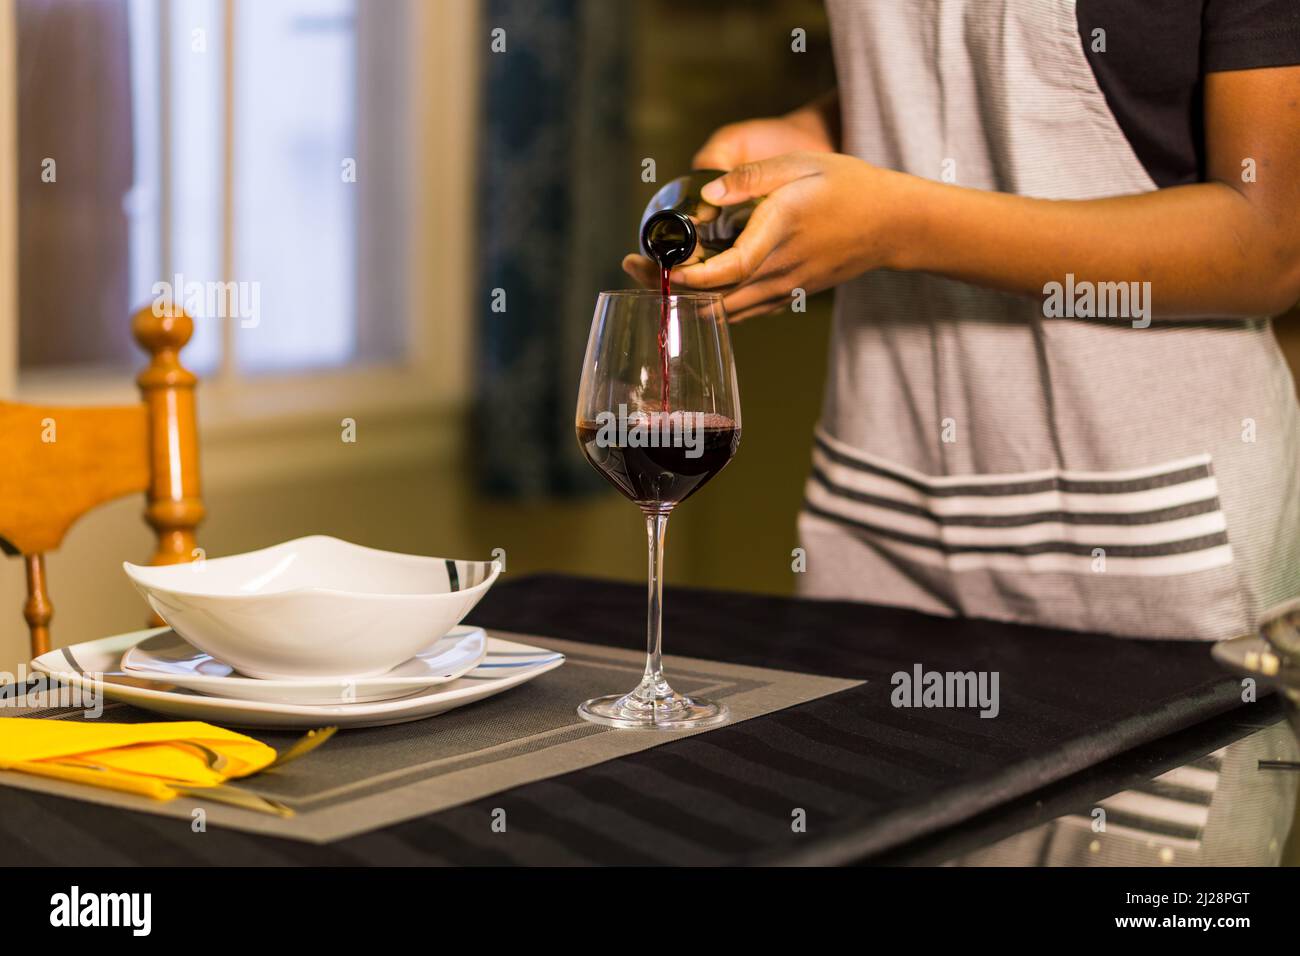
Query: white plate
x=93 y=667
x=170 y=658
x=314 y=607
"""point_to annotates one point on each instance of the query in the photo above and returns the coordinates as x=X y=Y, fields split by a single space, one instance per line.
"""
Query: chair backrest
x=56 y=463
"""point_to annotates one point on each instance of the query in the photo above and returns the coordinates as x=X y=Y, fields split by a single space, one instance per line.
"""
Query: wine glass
x=658 y=415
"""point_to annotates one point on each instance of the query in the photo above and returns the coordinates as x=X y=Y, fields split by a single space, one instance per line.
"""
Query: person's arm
x=1227 y=247
x=822 y=116
x=813 y=127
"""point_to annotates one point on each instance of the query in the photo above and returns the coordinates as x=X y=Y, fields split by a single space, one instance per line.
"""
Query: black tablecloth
x=867 y=776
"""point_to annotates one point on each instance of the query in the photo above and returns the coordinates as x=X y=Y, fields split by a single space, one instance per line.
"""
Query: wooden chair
x=56 y=463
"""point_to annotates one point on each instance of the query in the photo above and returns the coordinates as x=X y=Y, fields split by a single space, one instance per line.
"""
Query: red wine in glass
x=689 y=449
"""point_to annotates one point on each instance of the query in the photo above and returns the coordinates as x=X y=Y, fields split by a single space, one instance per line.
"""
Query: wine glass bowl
x=658 y=415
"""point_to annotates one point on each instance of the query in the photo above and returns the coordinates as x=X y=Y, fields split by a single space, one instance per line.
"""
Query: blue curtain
x=555 y=199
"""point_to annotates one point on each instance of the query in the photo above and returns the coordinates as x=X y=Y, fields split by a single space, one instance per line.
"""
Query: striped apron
x=976 y=458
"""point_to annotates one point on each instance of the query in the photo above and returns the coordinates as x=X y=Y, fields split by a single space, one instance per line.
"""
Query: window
x=250 y=159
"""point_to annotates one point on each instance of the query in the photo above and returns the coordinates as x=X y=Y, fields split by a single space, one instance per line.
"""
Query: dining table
x=1096 y=750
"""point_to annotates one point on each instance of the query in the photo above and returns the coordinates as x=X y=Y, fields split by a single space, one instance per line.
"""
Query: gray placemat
x=369 y=778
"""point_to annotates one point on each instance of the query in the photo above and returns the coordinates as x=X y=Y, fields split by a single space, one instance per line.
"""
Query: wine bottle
x=679 y=225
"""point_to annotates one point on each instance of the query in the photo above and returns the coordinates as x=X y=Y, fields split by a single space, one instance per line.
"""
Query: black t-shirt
x=1157 y=53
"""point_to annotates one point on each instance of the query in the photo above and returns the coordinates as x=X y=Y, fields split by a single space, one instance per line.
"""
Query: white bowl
x=314 y=607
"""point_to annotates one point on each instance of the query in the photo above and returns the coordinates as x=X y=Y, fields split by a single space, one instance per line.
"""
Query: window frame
x=424 y=394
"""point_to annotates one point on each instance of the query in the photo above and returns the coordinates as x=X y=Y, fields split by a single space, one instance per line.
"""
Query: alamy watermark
x=949 y=689
x=1098 y=300
x=41 y=691
x=659 y=430
x=210 y=300
x=133 y=911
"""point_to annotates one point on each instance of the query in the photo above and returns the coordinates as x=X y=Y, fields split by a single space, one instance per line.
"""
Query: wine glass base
x=673 y=712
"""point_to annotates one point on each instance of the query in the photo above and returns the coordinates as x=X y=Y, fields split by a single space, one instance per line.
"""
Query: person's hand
x=824 y=218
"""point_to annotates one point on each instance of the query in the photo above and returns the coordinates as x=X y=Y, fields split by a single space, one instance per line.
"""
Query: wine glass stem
x=653 y=686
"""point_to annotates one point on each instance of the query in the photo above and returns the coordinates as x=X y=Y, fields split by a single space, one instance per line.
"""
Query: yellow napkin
x=162 y=761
